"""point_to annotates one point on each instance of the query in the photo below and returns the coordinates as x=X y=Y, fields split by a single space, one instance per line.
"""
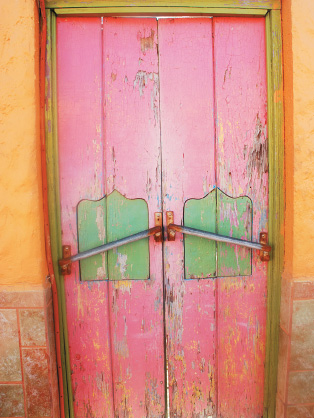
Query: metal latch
x=67 y=260
x=262 y=245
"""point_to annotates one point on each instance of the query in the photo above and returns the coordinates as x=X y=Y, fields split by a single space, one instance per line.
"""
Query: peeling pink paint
x=164 y=125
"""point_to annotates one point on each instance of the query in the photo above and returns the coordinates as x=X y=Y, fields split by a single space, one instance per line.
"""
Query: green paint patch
x=106 y=220
x=91 y=217
x=224 y=215
x=127 y=217
x=200 y=253
x=234 y=219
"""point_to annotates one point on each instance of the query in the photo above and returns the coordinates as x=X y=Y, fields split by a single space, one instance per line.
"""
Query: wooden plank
x=186 y=71
x=276 y=205
x=79 y=58
x=245 y=4
x=200 y=253
x=159 y=11
x=234 y=219
x=132 y=155
x=242 y=169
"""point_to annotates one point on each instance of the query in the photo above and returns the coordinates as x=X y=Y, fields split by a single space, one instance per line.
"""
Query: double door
x=158 y=115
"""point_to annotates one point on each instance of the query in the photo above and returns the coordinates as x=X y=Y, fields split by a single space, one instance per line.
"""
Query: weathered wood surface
x=200 y=253
x=91 y=233
x=188 y=161
x=234 y=219
x=242 y=169
x=127 y=217
x=116 y=328
x=132 y=156
x=111 y=118
x=79 y=46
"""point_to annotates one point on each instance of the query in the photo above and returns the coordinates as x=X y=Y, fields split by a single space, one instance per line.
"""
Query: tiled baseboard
x=295 y=396
x=28 y=370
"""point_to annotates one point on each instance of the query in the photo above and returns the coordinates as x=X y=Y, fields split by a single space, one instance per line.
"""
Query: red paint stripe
x=42 y=80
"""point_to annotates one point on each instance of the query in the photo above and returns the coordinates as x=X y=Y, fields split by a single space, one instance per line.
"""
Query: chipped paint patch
x=122 y=264
x=100 y=222
x=147 y=42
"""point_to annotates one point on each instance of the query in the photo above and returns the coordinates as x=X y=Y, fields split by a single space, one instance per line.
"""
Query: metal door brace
x=66 y=262
x=262 y=245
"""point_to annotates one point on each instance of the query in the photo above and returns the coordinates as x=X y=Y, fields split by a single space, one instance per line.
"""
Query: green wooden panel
x=200 y=253
x=234 y=219
x=91 y=220
x=217 y=212
x=126 y=217
x=106 y=220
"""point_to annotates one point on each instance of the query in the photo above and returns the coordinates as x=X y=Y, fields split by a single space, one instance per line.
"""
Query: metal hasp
x=262 y=246
x=264 y=252
x=67 y=260
x=158 y=222
x=171 y=234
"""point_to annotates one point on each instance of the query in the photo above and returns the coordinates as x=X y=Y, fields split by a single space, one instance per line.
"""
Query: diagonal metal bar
x=110 y=245
x=217 y=237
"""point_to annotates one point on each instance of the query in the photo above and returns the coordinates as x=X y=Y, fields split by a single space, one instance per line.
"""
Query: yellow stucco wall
x=22 y=250
x=302 y=12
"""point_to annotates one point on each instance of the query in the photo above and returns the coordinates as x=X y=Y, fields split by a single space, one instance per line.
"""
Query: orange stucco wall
x=22 y=250
x=298 y=37
x=302 y=12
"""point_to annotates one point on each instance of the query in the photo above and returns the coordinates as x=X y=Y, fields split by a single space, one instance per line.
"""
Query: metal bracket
x=66 y=260
x=171 y=234
x=264 y=252
x=158 y=222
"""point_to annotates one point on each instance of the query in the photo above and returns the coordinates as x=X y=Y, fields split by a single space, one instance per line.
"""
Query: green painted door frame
x=271 y=9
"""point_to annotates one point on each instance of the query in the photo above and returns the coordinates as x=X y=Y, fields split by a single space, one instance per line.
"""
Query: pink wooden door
x=156 y=116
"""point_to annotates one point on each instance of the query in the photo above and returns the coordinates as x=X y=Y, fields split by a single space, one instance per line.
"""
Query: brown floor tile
x=22 y=299
x=32 y=323
x=300 y=411
x=302 y=335
x=38 y=395
x=300 y=389
x=10 y=362
x=11 y=401
x=303 y=289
